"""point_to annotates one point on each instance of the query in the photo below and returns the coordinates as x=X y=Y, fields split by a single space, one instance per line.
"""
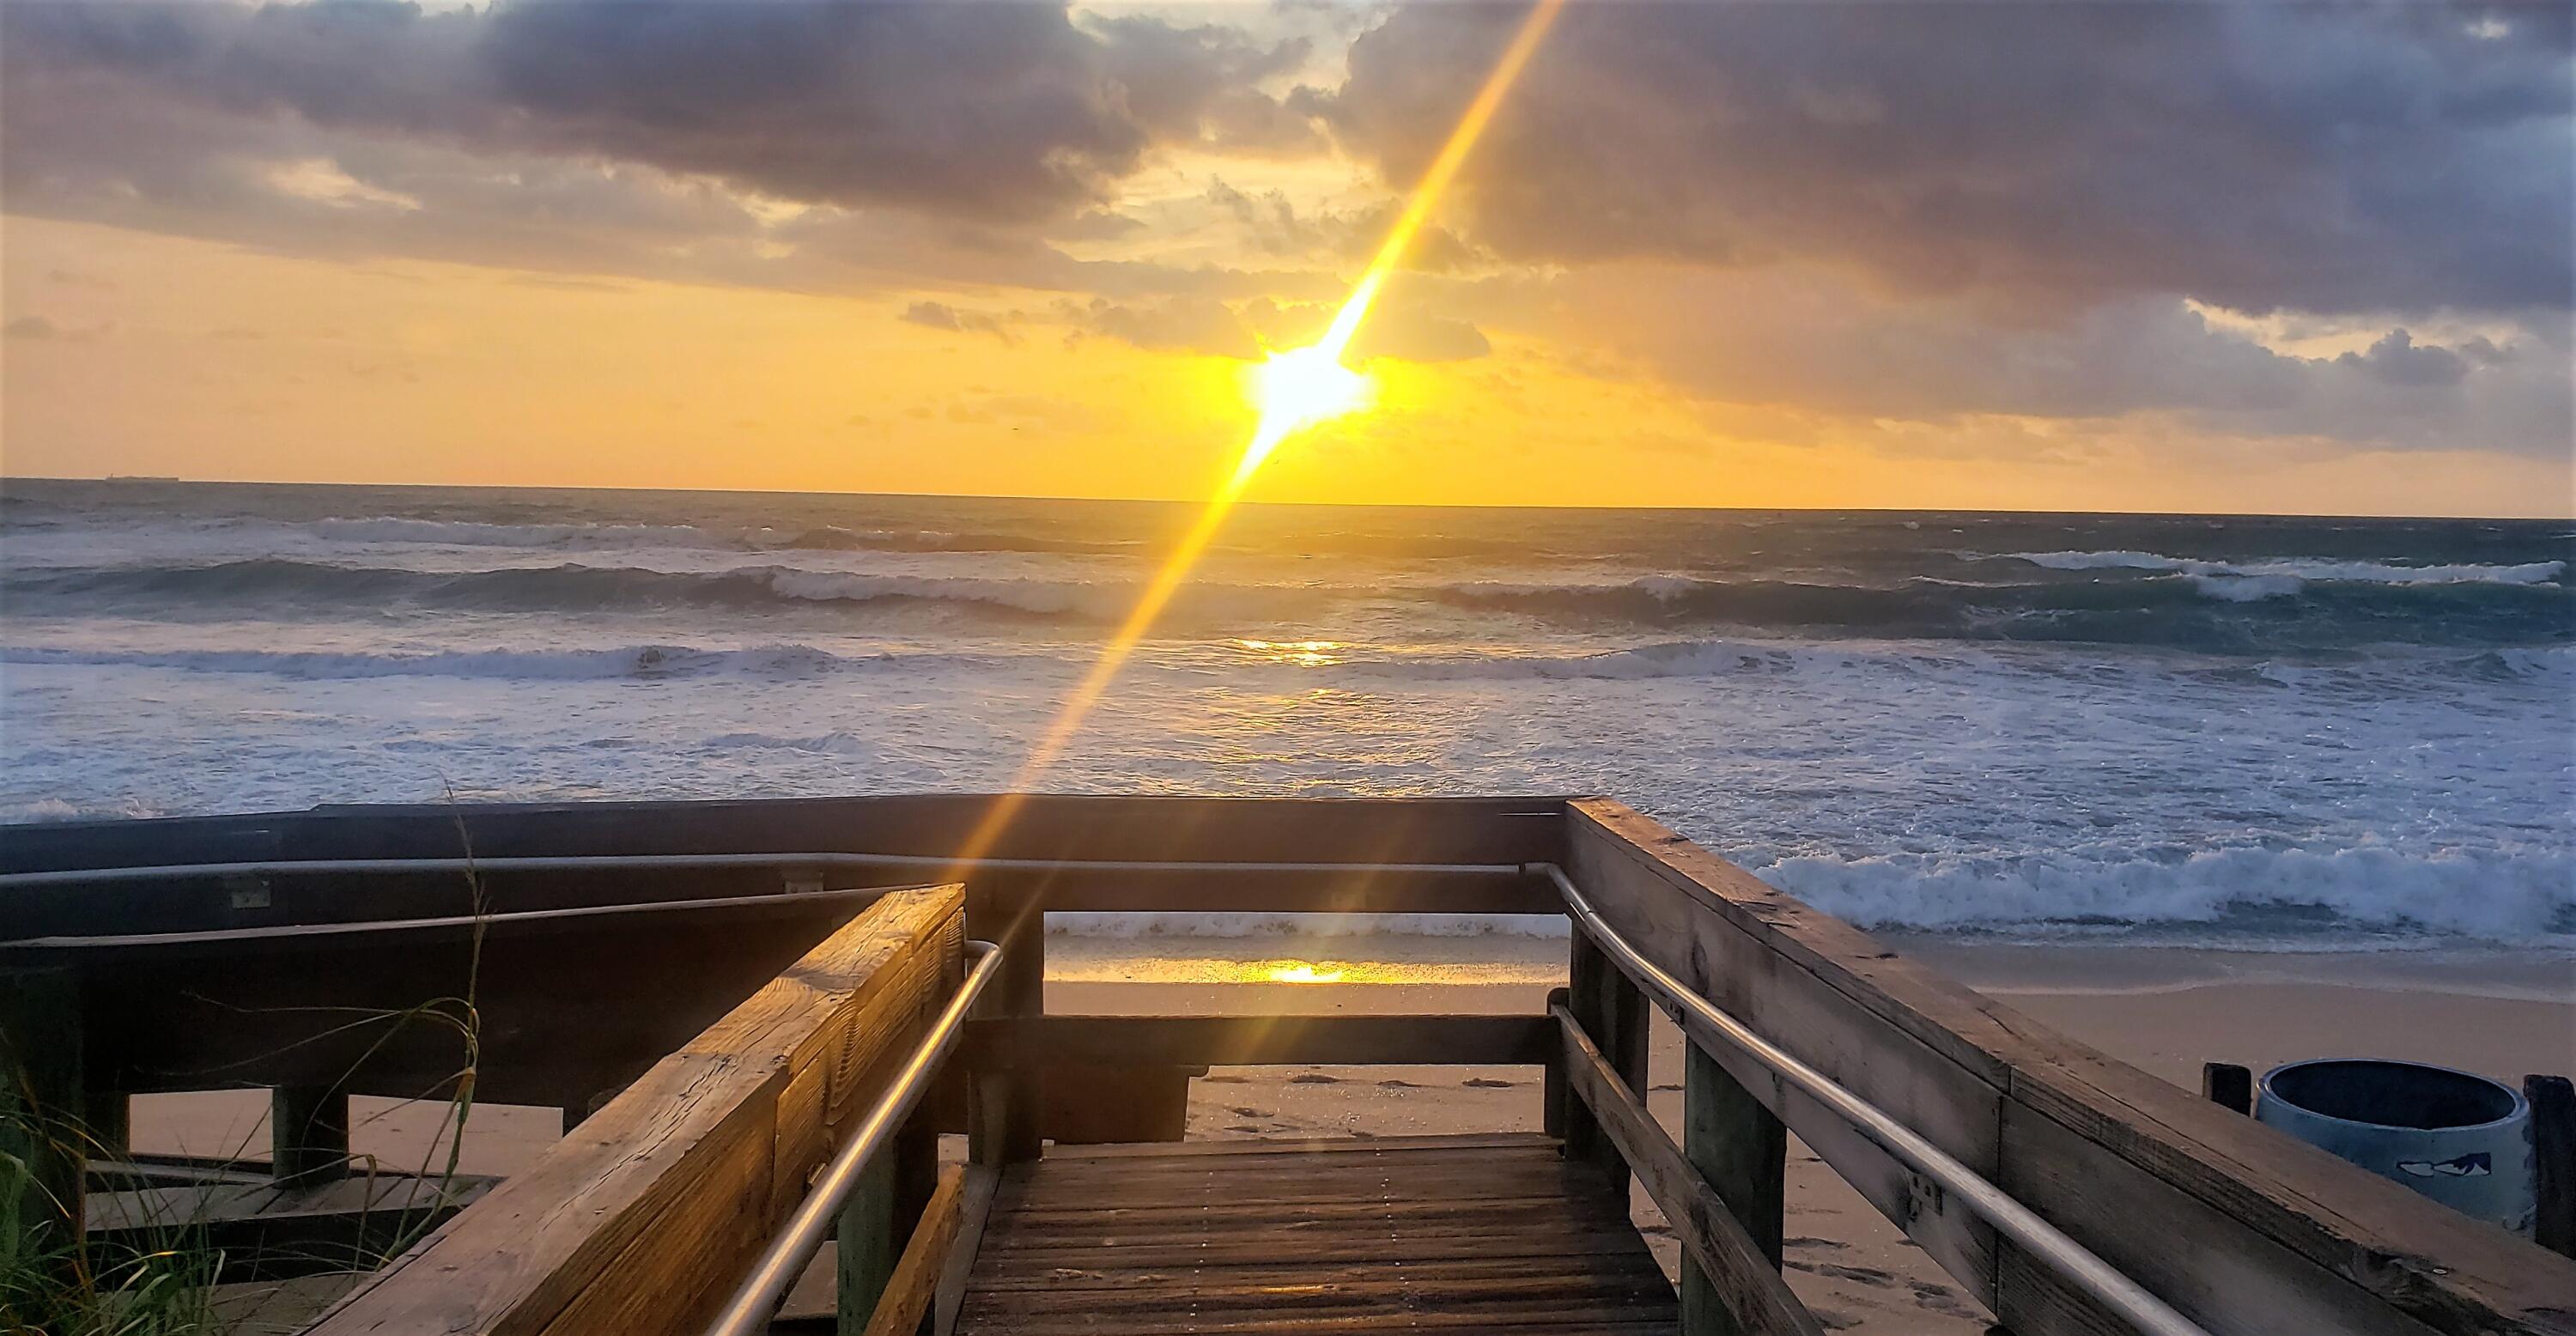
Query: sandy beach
x=2503 y=1013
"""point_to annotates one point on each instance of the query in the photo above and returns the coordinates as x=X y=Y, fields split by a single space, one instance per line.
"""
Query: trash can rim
x=2520 y=1106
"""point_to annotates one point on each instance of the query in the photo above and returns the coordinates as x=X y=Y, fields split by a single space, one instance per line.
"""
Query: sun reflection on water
x=1303 y=653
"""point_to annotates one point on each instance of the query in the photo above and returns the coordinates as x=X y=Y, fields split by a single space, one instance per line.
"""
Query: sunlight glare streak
x=1299 y=389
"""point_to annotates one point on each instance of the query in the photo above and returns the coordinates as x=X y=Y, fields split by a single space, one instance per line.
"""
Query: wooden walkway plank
x=1465 y=1234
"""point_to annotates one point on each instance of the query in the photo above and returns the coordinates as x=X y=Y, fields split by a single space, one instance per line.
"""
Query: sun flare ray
x=1294 y=390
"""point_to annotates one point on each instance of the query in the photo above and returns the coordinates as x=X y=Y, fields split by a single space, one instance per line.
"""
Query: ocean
x=2278 y=733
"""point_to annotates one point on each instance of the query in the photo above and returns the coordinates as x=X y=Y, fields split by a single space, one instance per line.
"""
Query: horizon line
x=6 y=480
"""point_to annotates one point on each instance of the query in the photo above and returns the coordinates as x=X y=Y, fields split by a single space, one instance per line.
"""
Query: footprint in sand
x=1240 y=1111
x=1865 y=1275
x=1314 y=1078
x=1487 y=1083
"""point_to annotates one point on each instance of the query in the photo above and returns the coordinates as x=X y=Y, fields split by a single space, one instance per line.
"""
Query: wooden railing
x=646 y=1216
x=2241 y=1228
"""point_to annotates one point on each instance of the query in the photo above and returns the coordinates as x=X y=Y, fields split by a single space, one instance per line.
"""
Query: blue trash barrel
x=2456 y=1137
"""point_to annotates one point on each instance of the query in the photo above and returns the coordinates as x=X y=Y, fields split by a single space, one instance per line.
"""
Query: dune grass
x=56 y=1283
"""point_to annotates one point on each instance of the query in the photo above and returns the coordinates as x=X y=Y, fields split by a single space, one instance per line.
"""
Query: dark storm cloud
x=2332 y=158
x=1001 y=113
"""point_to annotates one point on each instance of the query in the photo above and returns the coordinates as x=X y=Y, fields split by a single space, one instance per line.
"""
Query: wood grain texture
x=2553 y=1159
x=1743 y=1278
x=1313 y=1236
x=1742 y=1150
x=909 y=1291
x=1713 y=926
x=1969 y=1073
x=644 y=1217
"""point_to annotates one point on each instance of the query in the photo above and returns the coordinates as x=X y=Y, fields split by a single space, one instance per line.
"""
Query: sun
x=1298 y=389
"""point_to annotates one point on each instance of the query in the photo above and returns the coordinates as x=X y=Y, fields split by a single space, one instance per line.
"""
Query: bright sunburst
x=1298 y=389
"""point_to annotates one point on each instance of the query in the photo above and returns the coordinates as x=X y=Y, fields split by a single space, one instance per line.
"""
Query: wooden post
x=1555 y=1097
x=1613 y=1013
x=2553 y=1155
x=111 y=1124
x=868 y=1244
x=1743 y=1152
x=916 y=1181
x=308 y=1134
x=40 y=1108
x=1002 y=1117
x=2228 y=1085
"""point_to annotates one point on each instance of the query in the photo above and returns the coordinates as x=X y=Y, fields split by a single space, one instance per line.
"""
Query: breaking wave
x=2300 y=568
x=2235 y=611
x=641 y=662
x=2490 y=895
x=569 y=587
x=820 y=538
x=2484 y=895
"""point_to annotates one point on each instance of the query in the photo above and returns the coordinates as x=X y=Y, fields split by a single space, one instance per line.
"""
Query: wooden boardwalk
x=1466 y=1233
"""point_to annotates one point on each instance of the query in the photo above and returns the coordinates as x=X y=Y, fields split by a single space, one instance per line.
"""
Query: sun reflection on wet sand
x=1504 y=958
x=1302 y=972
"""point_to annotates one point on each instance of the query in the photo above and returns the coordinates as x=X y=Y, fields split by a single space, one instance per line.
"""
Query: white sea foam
x=2300 y=568
x=2248 y=588
x=2485 y=894
x=2481 y=896
x=1687 y=658
x=821 y=744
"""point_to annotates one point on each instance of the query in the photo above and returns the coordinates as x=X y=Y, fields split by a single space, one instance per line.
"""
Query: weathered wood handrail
x=831 y=1194
x=1710 y=1028
x=645 y=1216
x=2244 y=1229
x=1748 y=1283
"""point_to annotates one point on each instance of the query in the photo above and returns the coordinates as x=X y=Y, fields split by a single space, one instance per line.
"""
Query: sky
x=2261 y=256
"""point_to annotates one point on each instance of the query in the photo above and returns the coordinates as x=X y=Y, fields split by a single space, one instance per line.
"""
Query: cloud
x=1400 y=329
x=2396 y=359
x=1833 y=347
x=1195 y=325
x=1272 y=224
x=45 y=327
x=940 y=315
x=991 y=112
x=2331 y=158
x=1395 y=328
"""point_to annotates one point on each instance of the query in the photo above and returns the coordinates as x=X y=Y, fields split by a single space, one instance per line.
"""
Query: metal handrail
x=756 y=1301
x=575 y=862
x=2079 y=1265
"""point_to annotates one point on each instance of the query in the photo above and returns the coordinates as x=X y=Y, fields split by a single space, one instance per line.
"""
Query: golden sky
x=1713 y=255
